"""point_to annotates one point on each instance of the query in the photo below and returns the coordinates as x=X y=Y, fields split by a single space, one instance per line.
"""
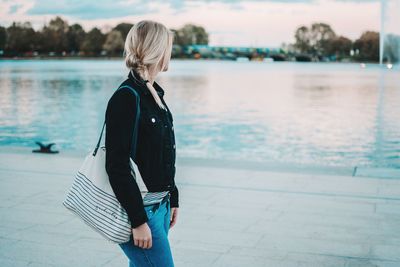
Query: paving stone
x=228 y=216
x=387 y=252
x=194 y=256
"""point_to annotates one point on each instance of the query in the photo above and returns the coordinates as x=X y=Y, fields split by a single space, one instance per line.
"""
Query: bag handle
x=134 y=136
x=98 y=143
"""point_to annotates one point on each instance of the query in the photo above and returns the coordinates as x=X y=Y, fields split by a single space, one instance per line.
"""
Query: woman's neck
x=152 y=73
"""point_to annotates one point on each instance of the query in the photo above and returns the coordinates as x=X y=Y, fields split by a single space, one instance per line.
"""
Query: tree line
x=58 y=38
x=319 y=41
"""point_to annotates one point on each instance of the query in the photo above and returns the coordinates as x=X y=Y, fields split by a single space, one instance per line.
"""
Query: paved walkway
x=229 y=216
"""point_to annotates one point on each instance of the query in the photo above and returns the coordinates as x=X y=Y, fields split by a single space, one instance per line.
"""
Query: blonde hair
x=148 y=44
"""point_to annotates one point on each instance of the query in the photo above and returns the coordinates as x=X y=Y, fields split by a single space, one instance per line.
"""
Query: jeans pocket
x=150 y=211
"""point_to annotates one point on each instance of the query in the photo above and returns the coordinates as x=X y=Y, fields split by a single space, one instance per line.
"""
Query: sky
x=267 y=23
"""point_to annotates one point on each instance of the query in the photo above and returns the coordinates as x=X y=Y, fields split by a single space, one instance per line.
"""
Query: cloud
x=14 y=8
x=106 y=9
x=240 y=1
x=358 y=1
x=102 y=9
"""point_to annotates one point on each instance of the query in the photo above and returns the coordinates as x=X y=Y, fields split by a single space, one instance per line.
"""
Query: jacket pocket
x=154 y=129
x=153 y=124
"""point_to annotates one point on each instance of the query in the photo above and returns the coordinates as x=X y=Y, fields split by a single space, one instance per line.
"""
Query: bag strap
x=134 y=136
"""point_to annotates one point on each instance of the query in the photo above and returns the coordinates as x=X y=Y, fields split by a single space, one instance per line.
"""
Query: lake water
x=329 y=114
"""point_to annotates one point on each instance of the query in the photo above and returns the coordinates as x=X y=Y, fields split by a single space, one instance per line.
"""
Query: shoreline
x=357 y=171
x=183 y=59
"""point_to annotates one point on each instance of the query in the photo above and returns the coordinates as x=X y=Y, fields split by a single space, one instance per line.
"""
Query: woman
x=138 y=121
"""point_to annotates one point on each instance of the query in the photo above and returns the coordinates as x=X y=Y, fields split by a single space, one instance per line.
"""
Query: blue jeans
x=160 y=252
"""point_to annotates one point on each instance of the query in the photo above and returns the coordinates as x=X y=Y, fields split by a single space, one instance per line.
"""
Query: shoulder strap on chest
x=135 y=129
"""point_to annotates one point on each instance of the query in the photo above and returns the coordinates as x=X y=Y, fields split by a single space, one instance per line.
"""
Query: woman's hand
x=142 y=236
x=174 y=216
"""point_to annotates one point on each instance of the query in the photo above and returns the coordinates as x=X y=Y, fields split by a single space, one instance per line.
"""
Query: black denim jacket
x=154 y=150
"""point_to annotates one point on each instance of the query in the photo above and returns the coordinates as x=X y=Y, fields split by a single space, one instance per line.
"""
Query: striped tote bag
x=92 y=199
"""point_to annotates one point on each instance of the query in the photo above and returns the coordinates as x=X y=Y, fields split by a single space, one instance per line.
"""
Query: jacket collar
x=140 y=83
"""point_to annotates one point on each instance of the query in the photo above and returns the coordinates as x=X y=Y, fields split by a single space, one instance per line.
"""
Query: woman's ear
x=165 y=67
x=165 y=60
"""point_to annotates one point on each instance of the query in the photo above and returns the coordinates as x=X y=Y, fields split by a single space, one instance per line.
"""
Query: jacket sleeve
x=120 y=119
x=175 y=198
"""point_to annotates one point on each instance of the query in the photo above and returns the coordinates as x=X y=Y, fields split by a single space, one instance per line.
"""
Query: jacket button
x=165 y=126
x=153 y=120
